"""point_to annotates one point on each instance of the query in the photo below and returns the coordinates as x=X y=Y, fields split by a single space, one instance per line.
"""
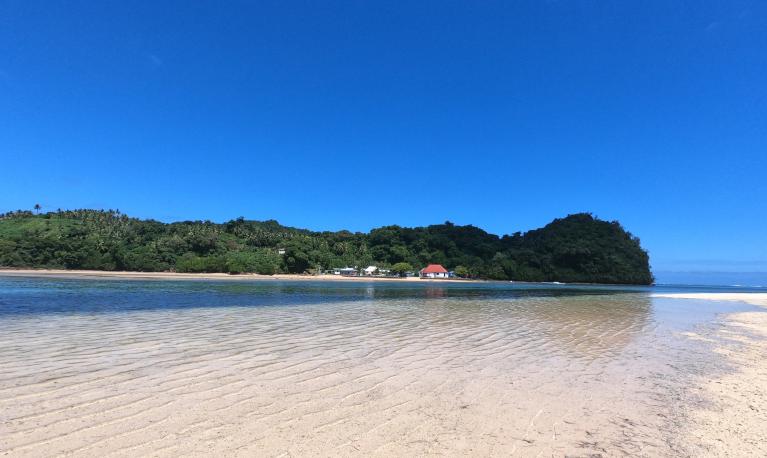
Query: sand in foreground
x=580 y=376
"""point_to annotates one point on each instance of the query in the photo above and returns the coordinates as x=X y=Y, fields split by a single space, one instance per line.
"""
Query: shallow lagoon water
x=168 y=368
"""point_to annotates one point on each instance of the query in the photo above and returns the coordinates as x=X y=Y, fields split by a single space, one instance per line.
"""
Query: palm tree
x=37 y=208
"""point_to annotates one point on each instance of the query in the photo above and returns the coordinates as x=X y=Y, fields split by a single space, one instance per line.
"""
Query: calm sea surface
x=168 y=368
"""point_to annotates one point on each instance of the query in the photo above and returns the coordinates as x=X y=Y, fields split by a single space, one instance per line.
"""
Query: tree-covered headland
x=577 y=248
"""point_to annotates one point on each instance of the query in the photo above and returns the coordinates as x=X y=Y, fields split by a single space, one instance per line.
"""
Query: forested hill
x=578 y=248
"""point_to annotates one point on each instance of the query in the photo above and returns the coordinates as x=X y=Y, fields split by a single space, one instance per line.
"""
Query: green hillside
x=578 y=248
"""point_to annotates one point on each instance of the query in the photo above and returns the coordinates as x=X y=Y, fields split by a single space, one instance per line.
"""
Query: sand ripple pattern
x=451 y=376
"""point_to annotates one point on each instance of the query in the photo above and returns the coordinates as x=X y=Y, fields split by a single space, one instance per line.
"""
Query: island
x=578 y=248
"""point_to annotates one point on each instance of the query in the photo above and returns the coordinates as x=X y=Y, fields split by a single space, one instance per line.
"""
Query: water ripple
x=383 y=375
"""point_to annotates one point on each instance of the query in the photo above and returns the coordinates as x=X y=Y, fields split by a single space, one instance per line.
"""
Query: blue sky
x=333 y=115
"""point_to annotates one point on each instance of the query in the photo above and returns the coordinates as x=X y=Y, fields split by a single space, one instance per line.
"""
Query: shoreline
x=732 y=424
x=82 y=274
x=132 y=275
x=758 y=299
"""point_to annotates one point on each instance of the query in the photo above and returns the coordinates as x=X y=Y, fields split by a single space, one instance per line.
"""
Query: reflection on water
x=38 y=296
x=591 y=326
x=436 y=292
x=179 y=368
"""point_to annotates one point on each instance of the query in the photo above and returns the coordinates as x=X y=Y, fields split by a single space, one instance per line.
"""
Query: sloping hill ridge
x=577 y=248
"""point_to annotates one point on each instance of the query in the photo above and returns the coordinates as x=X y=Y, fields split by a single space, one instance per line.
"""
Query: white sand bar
x=735 y=422
x=749 y=298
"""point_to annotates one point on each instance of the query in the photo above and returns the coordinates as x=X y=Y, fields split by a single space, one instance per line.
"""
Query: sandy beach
x=124 y=275
x=735 y=422
x=449 y=376
x=759 y=299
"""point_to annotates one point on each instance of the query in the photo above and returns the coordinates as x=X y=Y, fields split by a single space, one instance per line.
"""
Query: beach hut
x=370 y=270
x=348 y=272
x=434 y=271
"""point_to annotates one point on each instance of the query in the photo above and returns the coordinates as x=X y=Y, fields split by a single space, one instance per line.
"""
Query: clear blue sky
x=356 y=114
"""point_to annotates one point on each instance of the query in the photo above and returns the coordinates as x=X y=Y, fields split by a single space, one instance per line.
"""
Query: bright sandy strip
x=122 y=275
x=736 y=423
x=749 y=298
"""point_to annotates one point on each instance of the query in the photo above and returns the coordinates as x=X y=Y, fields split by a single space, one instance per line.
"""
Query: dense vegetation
x=578 y=248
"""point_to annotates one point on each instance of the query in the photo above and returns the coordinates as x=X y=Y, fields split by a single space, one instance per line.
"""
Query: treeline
x=578 y=248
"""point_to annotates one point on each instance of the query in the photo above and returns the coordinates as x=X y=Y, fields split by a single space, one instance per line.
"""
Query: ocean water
x=268 y=368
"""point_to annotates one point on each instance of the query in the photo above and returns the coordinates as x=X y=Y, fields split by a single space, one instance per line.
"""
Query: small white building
x=346 y=271
x=370 y=271
x=434 y=271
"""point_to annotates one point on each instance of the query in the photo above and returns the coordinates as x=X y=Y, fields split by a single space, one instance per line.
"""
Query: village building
x=349 y=272
x=369 y=271
x=346 y=271
x=434 y=271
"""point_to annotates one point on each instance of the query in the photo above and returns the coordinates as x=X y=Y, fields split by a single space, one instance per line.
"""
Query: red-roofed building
x=434 y=271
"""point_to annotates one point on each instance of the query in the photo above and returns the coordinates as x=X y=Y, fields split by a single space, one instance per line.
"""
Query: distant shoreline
x=173 y=276
x=130 y=275
x=135 y=275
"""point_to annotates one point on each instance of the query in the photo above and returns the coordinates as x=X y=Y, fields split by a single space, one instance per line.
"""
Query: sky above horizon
x=352 y=115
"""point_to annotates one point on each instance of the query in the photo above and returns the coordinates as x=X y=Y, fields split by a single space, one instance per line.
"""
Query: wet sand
x=734 y=423
x=576 y=376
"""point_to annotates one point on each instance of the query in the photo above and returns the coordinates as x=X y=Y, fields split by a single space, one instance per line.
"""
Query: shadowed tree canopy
x=577 y=248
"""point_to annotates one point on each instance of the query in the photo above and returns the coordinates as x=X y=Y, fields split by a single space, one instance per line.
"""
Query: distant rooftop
x=434 y=269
